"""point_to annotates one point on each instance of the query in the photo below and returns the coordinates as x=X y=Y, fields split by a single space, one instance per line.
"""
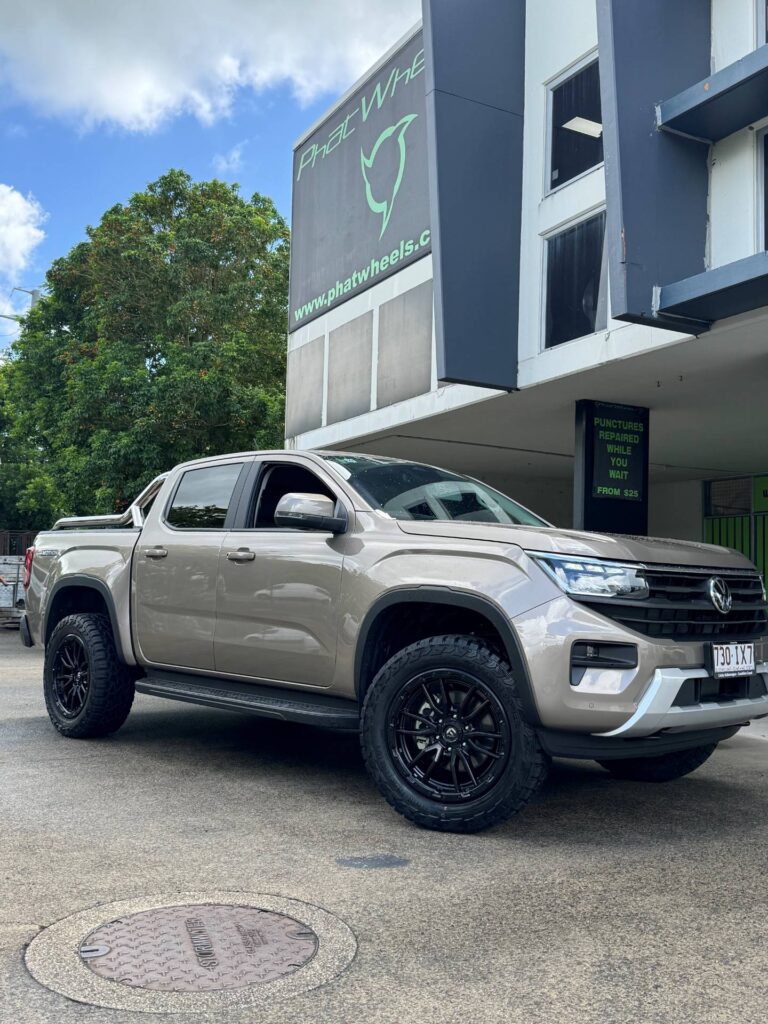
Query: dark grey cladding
x=475 y=60
x=656 y=182
x=723 y=103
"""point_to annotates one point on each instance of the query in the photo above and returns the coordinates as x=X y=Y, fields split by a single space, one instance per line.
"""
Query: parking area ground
x=605 y=902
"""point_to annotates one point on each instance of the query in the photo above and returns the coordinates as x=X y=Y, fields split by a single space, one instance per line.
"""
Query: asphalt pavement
x=604 y=902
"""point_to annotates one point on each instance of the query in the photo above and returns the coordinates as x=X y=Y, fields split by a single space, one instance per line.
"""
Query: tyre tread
x=111 y=688
x=472 y=652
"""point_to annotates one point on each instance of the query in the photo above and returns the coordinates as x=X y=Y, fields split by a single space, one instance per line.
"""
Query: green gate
x=730 y=531
x=761 y=544
x=736 y=516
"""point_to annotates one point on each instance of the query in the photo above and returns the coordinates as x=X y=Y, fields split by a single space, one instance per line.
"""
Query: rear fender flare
x=89 y=582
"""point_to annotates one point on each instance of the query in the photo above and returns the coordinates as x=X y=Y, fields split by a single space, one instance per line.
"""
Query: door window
x=202 y=499
x=278 y=481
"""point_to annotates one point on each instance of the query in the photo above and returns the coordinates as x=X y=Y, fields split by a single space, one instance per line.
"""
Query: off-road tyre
x=522 y=765
x=660 y=769
x=110 y=683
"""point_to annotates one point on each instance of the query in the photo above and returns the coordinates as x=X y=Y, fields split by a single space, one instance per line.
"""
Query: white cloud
x=230 y=162
x=137 y=64
x=21 y=219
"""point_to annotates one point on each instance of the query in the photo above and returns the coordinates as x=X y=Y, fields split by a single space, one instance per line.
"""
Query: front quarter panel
x=383 y=560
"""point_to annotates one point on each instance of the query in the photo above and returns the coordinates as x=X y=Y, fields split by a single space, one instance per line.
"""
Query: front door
x=176 y=565
x=279 y=588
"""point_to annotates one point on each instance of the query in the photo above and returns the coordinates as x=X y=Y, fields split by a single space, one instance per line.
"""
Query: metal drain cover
x=199 y=948
x=193 y=952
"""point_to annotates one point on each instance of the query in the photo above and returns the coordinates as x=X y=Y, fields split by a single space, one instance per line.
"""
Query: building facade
x=530 y=245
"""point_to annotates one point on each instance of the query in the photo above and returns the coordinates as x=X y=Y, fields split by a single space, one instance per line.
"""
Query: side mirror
x=311 y=512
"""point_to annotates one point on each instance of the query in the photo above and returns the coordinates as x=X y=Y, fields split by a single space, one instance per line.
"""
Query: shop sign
x=360 y=191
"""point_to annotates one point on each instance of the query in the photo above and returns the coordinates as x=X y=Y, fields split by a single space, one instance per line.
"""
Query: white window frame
x=761 y=21
x=558 y=229
x=562 y=76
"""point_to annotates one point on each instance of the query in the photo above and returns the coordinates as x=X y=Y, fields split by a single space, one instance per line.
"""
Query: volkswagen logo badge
x=720 y=595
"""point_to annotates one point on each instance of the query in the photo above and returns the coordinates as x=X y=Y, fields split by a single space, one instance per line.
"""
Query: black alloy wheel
x=88 y=689
x=444 y=736
x=449 y=736
x=71 y=676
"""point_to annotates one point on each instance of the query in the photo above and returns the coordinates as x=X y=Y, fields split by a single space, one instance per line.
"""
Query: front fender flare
x=456 y=599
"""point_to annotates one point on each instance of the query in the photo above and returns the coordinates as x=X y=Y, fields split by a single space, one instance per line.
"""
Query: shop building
x=530 y=245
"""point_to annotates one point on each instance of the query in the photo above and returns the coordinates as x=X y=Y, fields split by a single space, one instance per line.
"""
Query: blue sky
x=77 y=174
x=100 y=97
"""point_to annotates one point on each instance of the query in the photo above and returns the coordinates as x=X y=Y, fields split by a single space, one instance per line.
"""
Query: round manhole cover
x=188 y=952
x=198 y=948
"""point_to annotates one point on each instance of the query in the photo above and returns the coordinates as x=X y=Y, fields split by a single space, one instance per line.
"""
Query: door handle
x=241 y=555
x=156 y=552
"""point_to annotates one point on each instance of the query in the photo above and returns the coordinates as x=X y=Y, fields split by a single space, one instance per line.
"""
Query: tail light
x=28 y=567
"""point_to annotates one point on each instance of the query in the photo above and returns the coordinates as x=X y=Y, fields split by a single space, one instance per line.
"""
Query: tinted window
x=577 y=282
x=408 y=490
x=203 y=496
x=577 y=125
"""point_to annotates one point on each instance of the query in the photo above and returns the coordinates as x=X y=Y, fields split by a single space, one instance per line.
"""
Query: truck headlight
x=588 y=577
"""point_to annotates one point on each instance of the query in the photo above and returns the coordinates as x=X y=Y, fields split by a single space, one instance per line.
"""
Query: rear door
x=176 y=564
x=278 y=587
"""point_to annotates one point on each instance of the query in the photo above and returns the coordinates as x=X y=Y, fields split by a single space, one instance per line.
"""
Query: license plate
x=733 y=660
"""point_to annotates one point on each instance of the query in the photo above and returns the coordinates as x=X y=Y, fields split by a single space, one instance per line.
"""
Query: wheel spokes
x=70 y=676
x=421 y=753
x=482 y=750
x=480 y=707
x=454 y=772
x=466 y=700
x=433 y=763
x=431 y=700
x=419 y=718
x=446 y=699
x=468 y=766
x=449 y=735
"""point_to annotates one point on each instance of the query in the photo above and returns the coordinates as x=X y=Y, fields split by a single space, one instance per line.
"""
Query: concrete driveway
x=605 y=902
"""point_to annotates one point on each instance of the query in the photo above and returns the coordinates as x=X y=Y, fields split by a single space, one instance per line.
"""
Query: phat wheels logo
x=384 y=168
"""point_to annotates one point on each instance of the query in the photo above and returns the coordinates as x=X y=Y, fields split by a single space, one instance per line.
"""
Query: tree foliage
x=161 y=338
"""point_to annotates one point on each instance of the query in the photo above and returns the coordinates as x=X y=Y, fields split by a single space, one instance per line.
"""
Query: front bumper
x=656 y=709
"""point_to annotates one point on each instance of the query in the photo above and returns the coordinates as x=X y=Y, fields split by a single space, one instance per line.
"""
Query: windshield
x=409 y=490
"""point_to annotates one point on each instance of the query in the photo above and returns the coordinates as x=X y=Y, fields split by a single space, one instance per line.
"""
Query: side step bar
x=318 y=709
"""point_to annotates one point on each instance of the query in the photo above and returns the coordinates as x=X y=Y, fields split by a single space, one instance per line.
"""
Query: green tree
x=161 y=338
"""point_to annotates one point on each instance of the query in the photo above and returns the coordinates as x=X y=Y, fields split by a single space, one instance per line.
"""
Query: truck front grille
x=679 y=607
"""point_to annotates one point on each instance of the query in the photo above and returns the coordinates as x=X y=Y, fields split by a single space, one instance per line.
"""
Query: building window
x=576 y=142
x=765 y=189
x=577 y=282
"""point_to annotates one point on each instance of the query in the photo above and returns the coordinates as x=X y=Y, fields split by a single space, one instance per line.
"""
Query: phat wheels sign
x=360 y=194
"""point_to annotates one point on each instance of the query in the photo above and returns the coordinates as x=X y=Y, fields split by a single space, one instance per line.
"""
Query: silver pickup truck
x=465 y=638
